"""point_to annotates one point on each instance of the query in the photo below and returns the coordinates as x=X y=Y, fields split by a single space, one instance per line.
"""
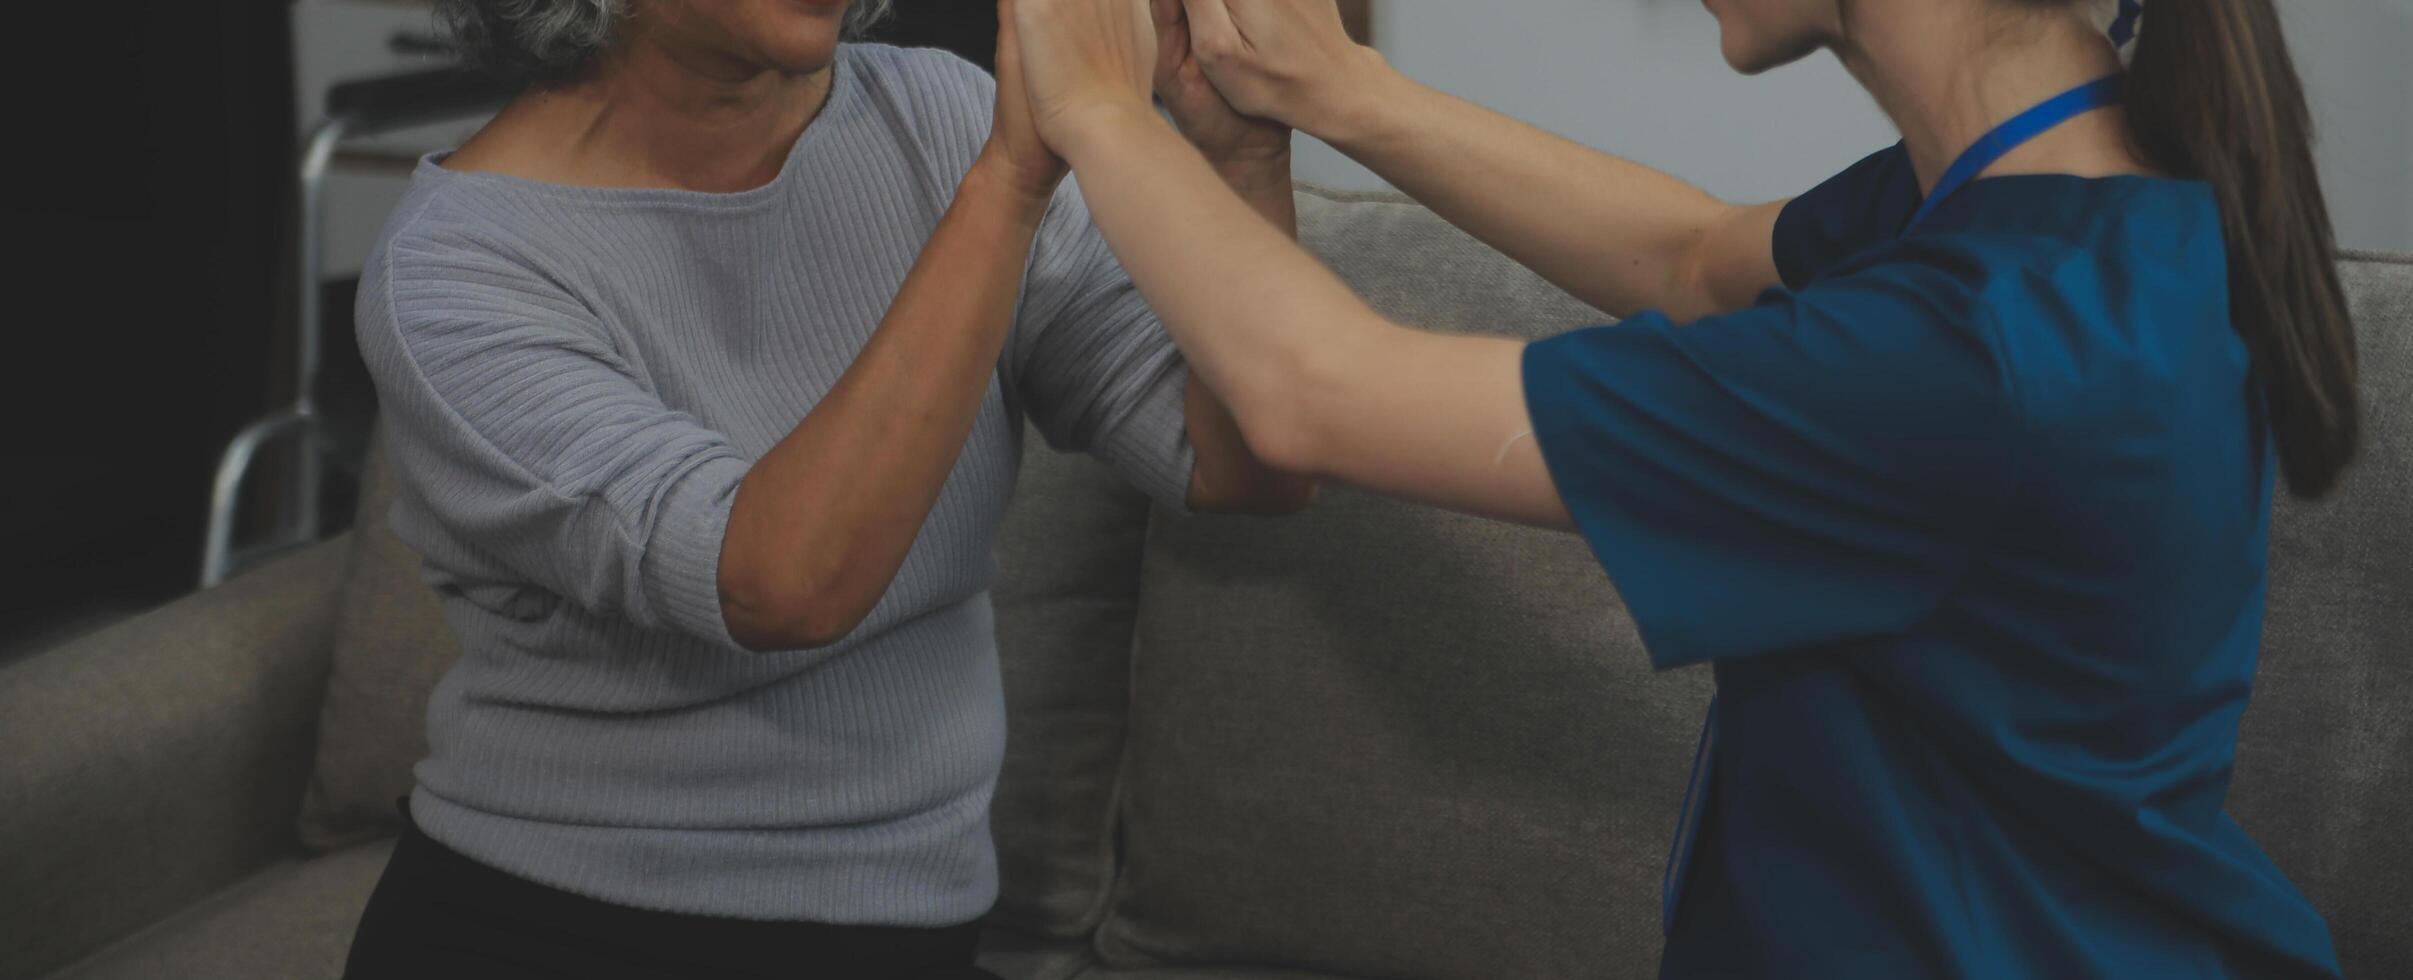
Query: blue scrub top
x=1971 y=523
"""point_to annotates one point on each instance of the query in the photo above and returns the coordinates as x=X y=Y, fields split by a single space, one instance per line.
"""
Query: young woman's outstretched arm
x=1618 y=235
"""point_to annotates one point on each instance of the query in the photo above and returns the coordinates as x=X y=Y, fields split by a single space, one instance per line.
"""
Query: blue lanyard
x=2021 y=128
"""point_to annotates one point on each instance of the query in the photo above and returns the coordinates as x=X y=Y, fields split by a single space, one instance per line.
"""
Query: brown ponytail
x=2213 y=95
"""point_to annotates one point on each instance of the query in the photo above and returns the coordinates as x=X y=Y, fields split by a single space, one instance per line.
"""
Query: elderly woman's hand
x=1015 y=148
x=1289 y=60
x=1084 y=59
x=1228 y=137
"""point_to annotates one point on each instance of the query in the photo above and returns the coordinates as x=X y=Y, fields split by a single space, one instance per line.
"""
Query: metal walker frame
x=354 y=109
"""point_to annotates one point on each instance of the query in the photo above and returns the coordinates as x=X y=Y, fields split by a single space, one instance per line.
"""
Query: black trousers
x=436 y=914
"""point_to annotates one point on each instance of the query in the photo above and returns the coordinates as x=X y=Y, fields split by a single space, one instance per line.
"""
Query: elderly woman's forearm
x=1265 y=183
x=824 y=520
x=1254 y=312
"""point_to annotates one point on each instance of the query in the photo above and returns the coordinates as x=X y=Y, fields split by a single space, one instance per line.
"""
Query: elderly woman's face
x=794 y=36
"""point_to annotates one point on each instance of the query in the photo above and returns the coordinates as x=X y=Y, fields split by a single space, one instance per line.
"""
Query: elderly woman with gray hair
x=705 y=367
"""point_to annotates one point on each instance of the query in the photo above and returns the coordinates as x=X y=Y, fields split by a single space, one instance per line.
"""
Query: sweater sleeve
x=1091 y=363
x=539 y=468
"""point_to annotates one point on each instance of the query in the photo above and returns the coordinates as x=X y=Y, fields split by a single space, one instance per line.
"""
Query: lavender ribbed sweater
x=574 y=380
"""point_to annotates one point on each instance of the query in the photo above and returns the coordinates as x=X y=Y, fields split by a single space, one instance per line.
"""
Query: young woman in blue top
x=1956 y=469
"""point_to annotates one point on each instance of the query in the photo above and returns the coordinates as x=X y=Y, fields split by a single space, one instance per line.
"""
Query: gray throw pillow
x=1382 y=740
x=391 y=645
x=1067 y=593
x=2324 y=776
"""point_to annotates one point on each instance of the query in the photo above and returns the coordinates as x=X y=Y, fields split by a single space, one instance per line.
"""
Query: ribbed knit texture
x=574 y=382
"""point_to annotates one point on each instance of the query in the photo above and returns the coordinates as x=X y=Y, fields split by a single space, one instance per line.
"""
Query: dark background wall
x=145 y=210
x=966 y=27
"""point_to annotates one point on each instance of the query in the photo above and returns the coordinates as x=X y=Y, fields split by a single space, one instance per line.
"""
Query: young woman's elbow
x=1284 y=419
x=1280 y=435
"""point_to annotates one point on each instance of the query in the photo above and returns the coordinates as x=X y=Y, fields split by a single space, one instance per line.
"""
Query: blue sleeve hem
x=1548 y=397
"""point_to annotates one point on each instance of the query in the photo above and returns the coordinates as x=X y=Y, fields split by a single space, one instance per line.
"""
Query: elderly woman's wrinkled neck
x=691 y=96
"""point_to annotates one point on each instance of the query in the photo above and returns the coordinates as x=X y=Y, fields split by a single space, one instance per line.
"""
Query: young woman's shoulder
x=2117 y=320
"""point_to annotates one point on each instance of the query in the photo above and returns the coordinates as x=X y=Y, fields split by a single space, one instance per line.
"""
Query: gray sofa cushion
x=294 y=920
x=1067 y=593
x=2324 y=774
x=153 y=763
x=1373 y=741
x=391 y=644
x=1378 y=740
x=1015 y=956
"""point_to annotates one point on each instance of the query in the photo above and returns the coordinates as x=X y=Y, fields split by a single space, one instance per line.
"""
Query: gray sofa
x=1370 y=741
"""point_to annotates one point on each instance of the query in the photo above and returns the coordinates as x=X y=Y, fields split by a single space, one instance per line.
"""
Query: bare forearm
x=1229 y=475
x=1320 y=383
x=824 y=520
x=1231 y=288
x=1619 y=235
x=1264 y=184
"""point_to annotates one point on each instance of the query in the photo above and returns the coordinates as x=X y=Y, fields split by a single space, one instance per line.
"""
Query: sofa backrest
x=1377 y=739
x=2324 y=777
x=391 y=645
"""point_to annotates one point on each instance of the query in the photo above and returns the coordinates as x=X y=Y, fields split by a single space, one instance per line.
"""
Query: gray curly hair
x=545 y=41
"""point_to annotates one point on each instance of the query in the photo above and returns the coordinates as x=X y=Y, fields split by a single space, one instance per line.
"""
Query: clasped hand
x=1234 y=74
